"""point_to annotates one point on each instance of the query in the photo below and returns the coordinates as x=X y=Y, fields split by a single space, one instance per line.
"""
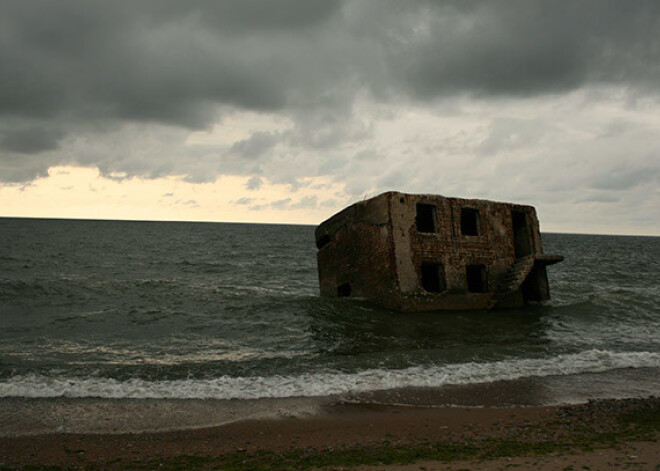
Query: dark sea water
x=117 y=309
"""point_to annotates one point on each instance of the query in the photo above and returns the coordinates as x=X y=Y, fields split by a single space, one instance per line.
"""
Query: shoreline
x=353 y=434
x=30 y=416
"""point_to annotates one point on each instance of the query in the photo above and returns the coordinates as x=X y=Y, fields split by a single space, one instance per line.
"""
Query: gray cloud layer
x=119 y=85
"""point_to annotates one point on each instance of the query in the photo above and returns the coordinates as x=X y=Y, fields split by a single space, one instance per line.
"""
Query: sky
x=287 y=111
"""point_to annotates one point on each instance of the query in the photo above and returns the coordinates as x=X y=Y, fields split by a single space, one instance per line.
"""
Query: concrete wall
x=492 y=248
x=375 y=247
x=358 y=252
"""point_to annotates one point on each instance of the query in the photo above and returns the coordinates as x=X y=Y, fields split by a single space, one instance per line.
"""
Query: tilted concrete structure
x=427 y=252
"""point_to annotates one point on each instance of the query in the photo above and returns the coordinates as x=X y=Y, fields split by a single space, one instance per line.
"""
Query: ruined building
x=427 y=252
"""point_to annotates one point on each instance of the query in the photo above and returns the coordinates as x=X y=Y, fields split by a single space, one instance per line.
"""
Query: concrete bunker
x=429 y=252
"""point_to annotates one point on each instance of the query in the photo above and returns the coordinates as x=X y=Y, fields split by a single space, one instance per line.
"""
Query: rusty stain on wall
x=429 y=252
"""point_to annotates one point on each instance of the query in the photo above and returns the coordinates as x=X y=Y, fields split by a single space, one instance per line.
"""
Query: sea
x=128 y=310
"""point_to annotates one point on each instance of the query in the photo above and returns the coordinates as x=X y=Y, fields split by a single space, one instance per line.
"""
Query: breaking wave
x=324 y=384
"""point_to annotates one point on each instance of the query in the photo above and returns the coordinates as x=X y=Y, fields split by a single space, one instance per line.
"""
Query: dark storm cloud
x=30 y=140
x=152 y=61
x=255 y=145
x=256 y=15
x=99 y=65
x=526 y=47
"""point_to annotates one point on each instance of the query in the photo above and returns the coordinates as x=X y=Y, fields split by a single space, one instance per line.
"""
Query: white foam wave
x=324 y=384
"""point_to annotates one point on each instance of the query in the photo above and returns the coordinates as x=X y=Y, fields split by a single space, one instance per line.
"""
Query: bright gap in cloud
x=81 y=193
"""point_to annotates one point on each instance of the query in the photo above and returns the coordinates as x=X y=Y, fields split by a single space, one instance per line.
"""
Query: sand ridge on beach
x=354 y=436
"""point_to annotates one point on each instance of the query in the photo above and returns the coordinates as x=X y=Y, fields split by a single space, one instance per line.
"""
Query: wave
x=324 y=384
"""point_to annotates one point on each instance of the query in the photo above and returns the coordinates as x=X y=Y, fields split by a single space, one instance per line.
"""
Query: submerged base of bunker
x=428 y=252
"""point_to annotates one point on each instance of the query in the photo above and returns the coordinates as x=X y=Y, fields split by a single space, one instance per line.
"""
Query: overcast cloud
x=554 y=103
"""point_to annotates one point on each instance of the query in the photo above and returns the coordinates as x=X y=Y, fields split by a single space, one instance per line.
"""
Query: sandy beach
x=602 y=434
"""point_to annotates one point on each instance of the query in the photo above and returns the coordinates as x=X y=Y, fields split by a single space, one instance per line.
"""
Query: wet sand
x=334 y=427
x=121 y=433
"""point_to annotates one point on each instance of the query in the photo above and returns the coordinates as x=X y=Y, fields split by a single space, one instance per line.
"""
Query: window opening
x=344 y=291
x=425 y=217
x=469 y=221
x=477 y=280
x=521 y=238
x=433 y=277
x=322 y=241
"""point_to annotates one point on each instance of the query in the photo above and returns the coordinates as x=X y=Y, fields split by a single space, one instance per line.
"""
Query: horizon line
x=53 y=218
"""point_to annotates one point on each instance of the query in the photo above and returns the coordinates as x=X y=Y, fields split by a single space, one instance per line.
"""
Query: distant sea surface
x=118 y=309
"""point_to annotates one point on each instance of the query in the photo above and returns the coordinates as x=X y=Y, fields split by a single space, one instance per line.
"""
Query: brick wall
x=376 y=247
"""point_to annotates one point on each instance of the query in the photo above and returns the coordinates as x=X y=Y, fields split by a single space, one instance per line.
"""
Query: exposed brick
x=375 y=249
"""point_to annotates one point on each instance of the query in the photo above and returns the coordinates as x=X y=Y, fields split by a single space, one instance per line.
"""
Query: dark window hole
x=433 y=277
x=322 y=241
x=344 y=291
x=469 y=221
x=521 y=238
x=477 y=279
x=425 y=218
